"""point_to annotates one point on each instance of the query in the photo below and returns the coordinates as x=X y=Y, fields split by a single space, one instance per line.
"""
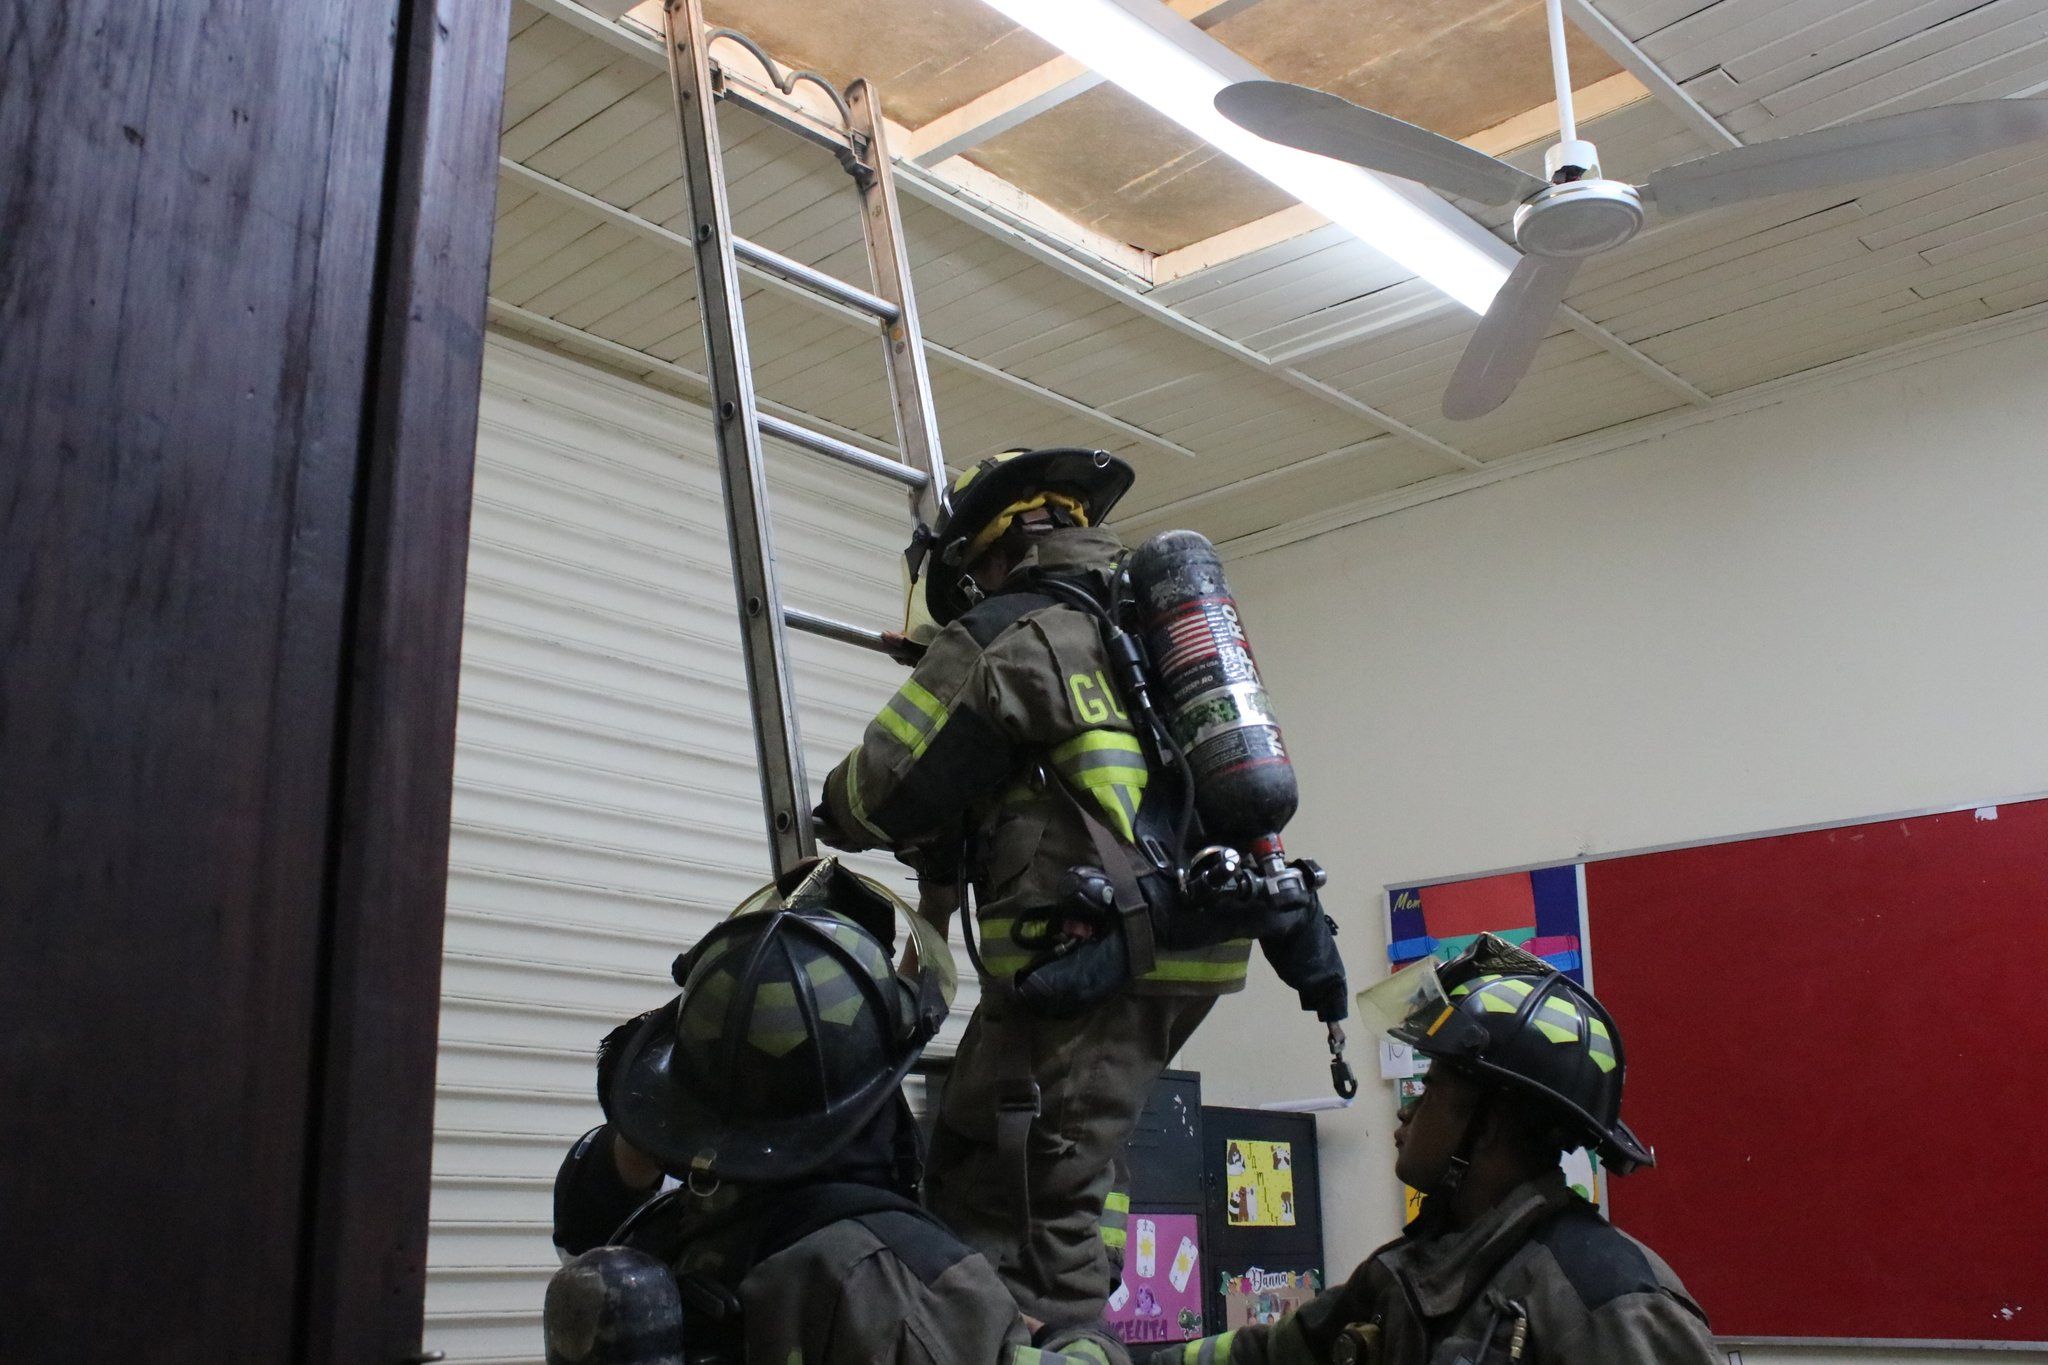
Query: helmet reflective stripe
x=1110 y=766
x=1600 y=1043
x=1508 y=1016
x=776 y=1024
x=1557 y=1019
x=1503 y=996
x=1464 y=989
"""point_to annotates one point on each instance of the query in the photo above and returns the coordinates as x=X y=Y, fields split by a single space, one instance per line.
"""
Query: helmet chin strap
x=1461 y=1158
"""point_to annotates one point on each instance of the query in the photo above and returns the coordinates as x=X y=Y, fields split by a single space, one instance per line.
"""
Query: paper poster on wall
x=1256 y=1297
x=1543 y=912
x=1160 y=1295
x=1259 y=1180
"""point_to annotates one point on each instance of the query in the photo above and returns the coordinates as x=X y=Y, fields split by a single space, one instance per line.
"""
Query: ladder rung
x=839 y=450
x=813 y=624
x=815 y=280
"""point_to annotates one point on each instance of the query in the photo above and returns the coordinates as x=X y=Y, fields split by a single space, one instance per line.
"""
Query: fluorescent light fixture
x=1169 y=64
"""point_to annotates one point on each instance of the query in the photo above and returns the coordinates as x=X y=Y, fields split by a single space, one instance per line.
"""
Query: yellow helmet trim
x=1001 y=522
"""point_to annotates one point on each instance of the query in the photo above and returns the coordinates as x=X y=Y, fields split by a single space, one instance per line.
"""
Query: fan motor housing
x=1579 y=218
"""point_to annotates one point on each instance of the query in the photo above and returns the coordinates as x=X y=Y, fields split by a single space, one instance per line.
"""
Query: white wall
x=1833 y=606
x=606 y=806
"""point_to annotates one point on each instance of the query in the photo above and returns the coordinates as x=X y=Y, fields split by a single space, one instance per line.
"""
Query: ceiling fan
x=1577 y=212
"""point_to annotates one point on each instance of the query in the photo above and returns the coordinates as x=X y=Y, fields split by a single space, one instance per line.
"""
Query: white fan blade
x=1329 y=125
x=1872 y=150
x=1499 y=353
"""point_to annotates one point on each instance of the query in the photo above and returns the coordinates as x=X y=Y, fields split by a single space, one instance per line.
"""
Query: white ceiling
x=1306 y=375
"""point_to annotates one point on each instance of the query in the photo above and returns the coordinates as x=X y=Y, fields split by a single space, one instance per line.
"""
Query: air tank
x=1210 y=694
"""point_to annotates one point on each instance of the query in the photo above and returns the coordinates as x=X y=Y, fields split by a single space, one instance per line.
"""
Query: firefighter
x=1010 y=763
x=772 y=1089
x=1504 y=1263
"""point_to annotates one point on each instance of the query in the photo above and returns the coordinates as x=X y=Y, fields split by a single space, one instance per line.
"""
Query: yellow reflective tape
x=1095 y=741
x=855 y=804
x=915 y=693
x=1113 y=1238
x=1600 y=1030
x=1603 y=1060
x=1441 y=1020
x=1556 y=1033
x=900 y=728
x=1108 y=776
x=1117 y=1200
x=1517 y=986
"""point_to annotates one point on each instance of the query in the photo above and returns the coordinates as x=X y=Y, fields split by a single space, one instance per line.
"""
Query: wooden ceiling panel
x=1453 y=66
x=926 y=56
x=1120 y=168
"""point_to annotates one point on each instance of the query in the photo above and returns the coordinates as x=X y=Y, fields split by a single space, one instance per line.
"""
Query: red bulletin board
x=1837 y=1042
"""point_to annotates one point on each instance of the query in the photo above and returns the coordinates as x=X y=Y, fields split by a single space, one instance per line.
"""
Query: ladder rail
x=740 y=426
x=910 y=380
x=735 y=421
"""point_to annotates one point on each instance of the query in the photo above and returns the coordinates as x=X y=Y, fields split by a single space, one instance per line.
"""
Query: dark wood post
x=242 y=274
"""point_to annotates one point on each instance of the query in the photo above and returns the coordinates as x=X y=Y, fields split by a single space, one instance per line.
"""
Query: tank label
x=1226 y=708
x=1233 y=750
x=1202 y=646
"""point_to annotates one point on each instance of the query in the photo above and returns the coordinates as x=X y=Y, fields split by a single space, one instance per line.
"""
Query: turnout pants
x=1060 y=1258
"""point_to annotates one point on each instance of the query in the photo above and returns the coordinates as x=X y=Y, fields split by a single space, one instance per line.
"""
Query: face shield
x=918 y=625
x=1416 y=990
x=1415 y=1006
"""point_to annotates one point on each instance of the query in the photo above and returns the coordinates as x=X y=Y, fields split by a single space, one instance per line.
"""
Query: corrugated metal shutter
x=606 y=803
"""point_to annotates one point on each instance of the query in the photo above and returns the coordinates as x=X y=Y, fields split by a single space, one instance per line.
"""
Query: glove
x=611 y=1050
x=1304 y=955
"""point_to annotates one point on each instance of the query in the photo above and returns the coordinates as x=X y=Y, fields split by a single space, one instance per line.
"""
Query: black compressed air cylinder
x=1210 y=693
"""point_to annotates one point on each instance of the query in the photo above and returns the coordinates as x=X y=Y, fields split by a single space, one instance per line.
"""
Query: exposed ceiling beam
x=1637 y=63
x=513 y=317
x=1150 y=515
x=528 y=178
x=1000 y=222
x=1043 y=87
x=1603 y=97
x=919 y=182
x=1636 y=360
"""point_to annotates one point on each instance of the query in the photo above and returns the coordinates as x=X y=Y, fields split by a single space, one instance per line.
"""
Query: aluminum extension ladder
x=697 y=83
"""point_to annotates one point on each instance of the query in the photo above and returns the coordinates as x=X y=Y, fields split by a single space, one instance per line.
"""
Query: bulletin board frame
x=1737 y=1341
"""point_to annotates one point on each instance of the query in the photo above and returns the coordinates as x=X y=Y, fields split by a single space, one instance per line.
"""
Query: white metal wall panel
x=606 y=806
